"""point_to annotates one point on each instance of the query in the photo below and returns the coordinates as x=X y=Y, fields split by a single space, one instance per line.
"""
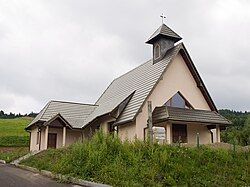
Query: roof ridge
x=170 y=29
x=71 y=102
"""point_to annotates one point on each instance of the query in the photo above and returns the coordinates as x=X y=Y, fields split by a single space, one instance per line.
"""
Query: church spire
x=162 y=40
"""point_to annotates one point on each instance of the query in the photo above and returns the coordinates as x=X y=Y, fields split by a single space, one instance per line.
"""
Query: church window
x=157 y=51
x=178 y=101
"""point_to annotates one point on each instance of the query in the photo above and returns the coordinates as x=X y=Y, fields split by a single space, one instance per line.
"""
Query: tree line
x=11 y=115
x=239 y=132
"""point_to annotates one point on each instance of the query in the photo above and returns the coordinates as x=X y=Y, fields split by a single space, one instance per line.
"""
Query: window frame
x=157 y=47
x=170 y=101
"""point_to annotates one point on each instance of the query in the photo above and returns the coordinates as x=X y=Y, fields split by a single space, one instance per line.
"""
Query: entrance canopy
x=174 y=114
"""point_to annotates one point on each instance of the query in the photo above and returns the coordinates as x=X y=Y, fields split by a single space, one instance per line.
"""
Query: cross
x=162 y=18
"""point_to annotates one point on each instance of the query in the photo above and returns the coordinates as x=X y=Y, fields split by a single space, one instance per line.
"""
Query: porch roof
x=74 y=113
x=166 y=113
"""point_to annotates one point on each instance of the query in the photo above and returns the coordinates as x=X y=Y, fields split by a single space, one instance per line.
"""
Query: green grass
x=12 y=132
x=107 y=160
x=11 y=153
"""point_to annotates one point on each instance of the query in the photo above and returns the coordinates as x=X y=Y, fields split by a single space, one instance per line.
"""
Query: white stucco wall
x=176 y=78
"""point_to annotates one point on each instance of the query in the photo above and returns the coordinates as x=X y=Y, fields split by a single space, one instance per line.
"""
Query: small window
x=157 y=51
x=111 y=127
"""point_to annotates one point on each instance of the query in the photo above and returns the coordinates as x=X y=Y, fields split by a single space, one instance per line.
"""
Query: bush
x=108 y=160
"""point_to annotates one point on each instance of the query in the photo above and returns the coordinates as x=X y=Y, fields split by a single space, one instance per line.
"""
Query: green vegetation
x=11 y=115
x=14 y=140
x=107 y=160
x=12 y=132
x=11 y=153
x=239 y=132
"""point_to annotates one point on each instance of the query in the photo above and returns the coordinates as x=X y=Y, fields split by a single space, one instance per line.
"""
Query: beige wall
x=33 y=139
x=127 y=131
x=204 y=134
x=192 y=130
x=71 y=137
x=176 y=78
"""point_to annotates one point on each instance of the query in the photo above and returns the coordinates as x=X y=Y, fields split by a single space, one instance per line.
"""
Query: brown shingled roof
x=166 y=113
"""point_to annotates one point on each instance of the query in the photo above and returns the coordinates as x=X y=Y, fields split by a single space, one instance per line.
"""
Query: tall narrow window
x=156 y=51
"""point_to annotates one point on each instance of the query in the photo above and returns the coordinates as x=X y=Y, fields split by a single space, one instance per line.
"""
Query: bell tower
x=162 y=40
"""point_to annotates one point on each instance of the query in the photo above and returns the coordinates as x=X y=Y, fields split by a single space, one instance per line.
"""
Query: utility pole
x=150 y=123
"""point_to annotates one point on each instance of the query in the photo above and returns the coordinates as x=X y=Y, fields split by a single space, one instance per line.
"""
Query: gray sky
x=71 y=50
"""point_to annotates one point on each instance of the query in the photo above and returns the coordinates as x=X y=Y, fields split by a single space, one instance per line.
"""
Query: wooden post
x=217 y=133
x=39 y=134
x=64 y=136
x=168 y=133
x=150 y=123
x=46 y=137
x=198 y=140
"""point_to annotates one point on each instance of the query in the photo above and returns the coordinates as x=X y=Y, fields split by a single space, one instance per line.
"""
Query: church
x=182 y=107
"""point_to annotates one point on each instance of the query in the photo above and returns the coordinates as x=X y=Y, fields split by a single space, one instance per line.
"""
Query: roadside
x=13 y=177
x=11 y=153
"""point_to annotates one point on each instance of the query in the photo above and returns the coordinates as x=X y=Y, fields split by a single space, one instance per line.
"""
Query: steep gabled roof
x=74 y=113
x=164 y=31
x=136 y=85
x=142 y=80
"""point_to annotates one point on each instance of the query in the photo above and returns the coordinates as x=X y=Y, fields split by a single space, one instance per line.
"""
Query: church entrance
x=52 y=137
x=179 y=133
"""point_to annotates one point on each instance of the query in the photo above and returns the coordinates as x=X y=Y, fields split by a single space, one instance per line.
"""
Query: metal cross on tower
x=162 y=18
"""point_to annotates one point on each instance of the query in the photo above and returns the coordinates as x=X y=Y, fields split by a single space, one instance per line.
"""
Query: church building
x=182 y=107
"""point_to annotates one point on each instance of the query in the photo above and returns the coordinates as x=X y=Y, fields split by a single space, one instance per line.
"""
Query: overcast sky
x=72 y=49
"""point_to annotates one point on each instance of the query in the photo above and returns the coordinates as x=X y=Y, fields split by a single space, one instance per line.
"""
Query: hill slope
x=107 y=160
x=12 y=132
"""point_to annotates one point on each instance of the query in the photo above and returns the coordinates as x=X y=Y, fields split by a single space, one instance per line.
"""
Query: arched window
x=178 y=101
x=157 y=51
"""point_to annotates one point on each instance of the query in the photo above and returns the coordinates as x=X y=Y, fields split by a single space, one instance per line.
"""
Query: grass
x=12 y=132
x=11 y=153
x=14 y=140
x=107 y=160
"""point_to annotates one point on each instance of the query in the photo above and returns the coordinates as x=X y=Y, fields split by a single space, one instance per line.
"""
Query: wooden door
x=179 y=133
x=52 y=137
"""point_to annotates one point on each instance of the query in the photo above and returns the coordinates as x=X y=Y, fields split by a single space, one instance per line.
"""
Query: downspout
x=29 y=140
x=82 y=134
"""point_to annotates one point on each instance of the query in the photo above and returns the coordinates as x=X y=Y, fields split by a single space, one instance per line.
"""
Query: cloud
x=72 y=50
